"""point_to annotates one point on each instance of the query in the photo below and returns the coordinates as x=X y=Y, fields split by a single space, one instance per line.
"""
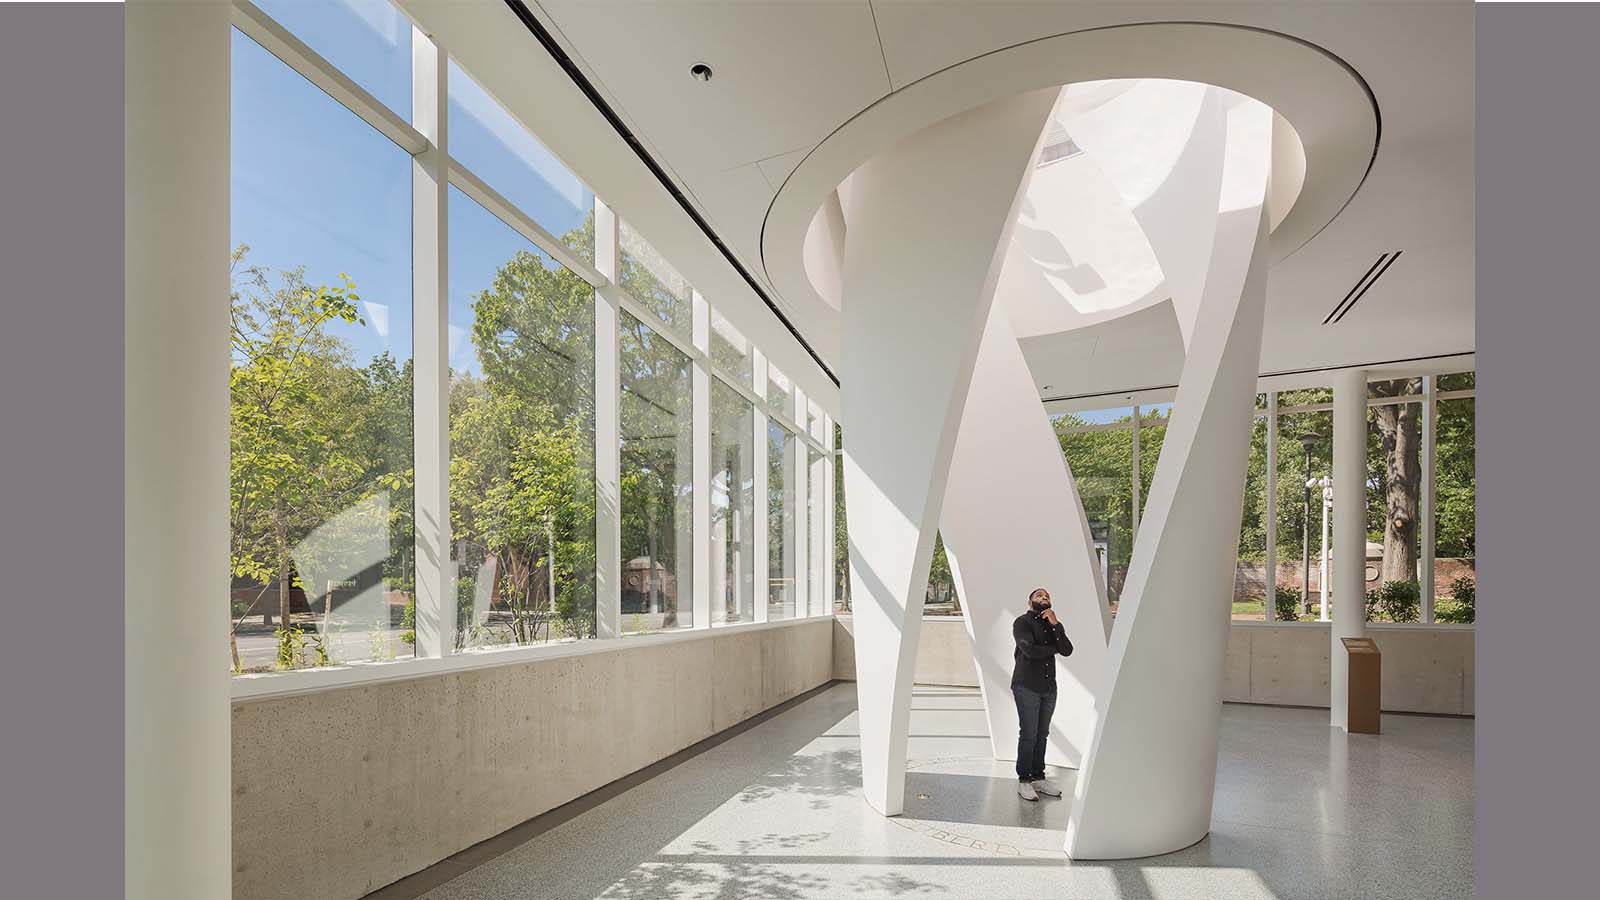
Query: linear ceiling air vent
x=1361 y=286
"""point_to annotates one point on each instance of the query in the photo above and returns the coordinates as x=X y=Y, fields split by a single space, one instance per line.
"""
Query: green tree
x=522 y=437
x=291 y=386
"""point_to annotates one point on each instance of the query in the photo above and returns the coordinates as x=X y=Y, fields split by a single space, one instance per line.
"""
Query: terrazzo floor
x=1302 y=812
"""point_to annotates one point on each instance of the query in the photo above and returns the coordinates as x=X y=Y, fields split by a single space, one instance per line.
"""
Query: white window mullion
x=797 y=469
x=701 y=453
x=759 y=529
x=297 y=55
x=522 y=223
x=830 y=540
x=607 y=435
x=435 y=578
x=1430 y=412
x=1271 y=507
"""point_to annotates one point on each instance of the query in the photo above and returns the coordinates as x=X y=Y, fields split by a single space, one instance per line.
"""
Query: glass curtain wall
x=325 y=245
x=841 y=529
x=1098 y=446
x=321 y=546
x=1455 y=569
x=816 y=539
x=780 y=523
x=1394 y=501
x=1250 y=579
x=657 y=482
x=522 y=493
x=1305 y=453
x=733 y=505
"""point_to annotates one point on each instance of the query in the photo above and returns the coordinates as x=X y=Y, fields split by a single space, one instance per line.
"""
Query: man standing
x=1033 y=683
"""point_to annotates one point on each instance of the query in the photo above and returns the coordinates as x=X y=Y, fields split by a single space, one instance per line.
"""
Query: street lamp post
x=1307 y=441
x=1324 y=576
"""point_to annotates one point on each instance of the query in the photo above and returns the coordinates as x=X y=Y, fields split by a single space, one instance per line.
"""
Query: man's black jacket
x=1038 y=642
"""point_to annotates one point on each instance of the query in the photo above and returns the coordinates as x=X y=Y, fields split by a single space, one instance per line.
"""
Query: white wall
x=176 y=463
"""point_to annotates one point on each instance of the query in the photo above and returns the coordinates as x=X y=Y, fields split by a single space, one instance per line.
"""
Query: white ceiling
x=788 y=74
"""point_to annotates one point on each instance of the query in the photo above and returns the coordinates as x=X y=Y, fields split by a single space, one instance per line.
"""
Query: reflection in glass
x=780 y=392
x=841 y=529
x=816 y=540
x=321 y=545
x=498 y=149
x=522 y=496
x=368 y=40
x=780 y=523
x=653 y=281
x=730 y=350
x=733 y=462
x=655 y=416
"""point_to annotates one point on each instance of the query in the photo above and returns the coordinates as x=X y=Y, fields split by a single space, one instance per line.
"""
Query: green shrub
x=1395 y=601
x=408 y=621
x=1286 y=604
x=1463 y=607
x=291 y=648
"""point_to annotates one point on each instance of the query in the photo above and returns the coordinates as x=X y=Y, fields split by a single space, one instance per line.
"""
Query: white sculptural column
x=1147 y=784
x=1349 y=532
x=928 y=222
x=1013 y=521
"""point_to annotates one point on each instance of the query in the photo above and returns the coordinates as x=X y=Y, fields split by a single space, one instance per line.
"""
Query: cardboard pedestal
x=1366 y=679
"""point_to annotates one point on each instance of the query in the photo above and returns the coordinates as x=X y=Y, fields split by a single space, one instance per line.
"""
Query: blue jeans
x=1033 y=716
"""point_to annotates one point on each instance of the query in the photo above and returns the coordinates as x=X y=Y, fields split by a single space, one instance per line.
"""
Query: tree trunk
x=280 y=530
x=1400 y=432
x=519 y=571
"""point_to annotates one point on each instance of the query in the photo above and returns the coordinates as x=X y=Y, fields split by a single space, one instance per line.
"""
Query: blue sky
x=315 y=186
x=1102 y=416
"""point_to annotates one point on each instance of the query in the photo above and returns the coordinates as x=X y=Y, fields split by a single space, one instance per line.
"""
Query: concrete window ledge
x=267 y=685
x=377 y=780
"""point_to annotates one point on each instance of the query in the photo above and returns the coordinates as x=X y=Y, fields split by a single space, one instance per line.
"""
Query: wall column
x=607 y=434
x=1349 y=530
x=177 y=755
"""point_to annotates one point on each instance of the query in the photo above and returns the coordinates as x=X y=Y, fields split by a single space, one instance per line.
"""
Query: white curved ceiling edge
x=1327 y=104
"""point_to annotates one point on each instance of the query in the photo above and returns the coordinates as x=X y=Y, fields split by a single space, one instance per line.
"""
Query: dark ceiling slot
x=1353 y=288
x=567 y=64
x=1362 y=285
x=1370 y=282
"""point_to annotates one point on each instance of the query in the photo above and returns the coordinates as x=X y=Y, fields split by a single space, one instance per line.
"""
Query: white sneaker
x=1044 y=787
x=1026 y=791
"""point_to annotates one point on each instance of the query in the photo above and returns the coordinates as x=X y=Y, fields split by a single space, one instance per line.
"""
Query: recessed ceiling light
x=700 y=72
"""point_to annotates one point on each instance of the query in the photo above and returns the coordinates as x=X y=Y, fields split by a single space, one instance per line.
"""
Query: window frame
x=424 y=136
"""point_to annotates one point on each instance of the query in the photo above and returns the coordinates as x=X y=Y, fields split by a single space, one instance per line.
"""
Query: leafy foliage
x=1286 y=604
x=1395 y=601
x=521 y=442
x=298 y=456
x=1463 y=606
